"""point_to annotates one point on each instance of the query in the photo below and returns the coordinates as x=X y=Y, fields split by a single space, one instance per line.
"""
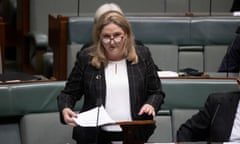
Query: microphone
x=213 y=119
x=189 y=13
x=215 y=113
x=98 y=103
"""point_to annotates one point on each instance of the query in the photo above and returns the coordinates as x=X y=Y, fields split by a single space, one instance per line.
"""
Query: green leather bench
x=40 y=97
x=184 y=97
x=20 y=99
x=28 y=106
x=191 y=94
x=175 y=42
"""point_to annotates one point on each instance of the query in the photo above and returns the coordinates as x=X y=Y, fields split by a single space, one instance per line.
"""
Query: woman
x=117 y=72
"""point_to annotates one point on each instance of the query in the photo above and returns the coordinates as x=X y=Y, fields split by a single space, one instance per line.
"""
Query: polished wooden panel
x=16 y=29
x=129 y=130
x=58 y=42
x=23 y=27
x=25 y=82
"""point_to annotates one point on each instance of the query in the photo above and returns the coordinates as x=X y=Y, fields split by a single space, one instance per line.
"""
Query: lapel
x=131 y=80
x=100 y=84
x=133 y=71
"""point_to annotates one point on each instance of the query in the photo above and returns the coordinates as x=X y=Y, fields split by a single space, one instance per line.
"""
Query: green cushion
x=5 y=100
x=192 y=93
x=36 y=97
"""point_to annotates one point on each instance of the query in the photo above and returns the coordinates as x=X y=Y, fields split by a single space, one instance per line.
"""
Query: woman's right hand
x=68 y=114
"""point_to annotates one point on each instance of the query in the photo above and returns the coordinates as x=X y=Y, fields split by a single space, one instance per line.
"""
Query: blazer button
x=98 y=76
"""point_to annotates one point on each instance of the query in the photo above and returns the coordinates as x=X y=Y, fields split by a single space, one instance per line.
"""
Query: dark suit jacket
x=231 y=60
x=85 y=80
x=214 y=122
x=235 y=6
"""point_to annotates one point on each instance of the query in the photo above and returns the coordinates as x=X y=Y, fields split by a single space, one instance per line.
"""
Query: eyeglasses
x=117 y=39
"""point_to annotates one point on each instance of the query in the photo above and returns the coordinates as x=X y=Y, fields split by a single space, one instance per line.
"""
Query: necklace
x=115 y=65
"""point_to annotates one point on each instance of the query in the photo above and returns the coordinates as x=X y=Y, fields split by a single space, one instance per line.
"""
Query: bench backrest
x=38 y=97
x=31 y=106
x=23 y=98
x=175 y=42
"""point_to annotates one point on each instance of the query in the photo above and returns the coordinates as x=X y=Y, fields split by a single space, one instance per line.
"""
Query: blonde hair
x=98 y=52
x=105 y=8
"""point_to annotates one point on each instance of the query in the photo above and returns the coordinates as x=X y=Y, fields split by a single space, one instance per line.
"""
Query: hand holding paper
x=92 y=117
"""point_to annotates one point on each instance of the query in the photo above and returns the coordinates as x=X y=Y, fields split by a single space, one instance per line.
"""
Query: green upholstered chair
x=163 y=132
x=44 y=128
x=179 y=116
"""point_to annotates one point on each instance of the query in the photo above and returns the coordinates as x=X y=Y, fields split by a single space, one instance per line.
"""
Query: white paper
x=236 y=13
x=167 y=74
x=89 y=118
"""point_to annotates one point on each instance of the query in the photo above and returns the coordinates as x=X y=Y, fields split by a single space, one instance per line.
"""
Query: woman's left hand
x=148 y=109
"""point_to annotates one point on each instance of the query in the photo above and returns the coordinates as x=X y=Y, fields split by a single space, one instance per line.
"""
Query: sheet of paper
x=167 y=74
x=89 y=118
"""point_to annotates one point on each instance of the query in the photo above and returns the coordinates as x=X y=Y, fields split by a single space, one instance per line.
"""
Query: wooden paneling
x=22 y=30
x=16 y=19
x=58 y=42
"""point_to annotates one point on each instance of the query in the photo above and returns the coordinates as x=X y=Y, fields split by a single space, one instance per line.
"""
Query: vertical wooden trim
x=23 y=26
x=58 y=39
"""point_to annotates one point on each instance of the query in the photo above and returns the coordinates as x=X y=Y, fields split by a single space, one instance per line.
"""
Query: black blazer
x=85 y=80
x=235 y=6
x=214 y=122
x=231 y=60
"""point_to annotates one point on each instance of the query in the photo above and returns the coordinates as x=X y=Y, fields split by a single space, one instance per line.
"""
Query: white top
x=235 y=135
x=117 y=93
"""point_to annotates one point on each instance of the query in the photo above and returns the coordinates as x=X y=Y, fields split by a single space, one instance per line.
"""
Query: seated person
x=218 y=121
x=235 y=6
x=231 y=60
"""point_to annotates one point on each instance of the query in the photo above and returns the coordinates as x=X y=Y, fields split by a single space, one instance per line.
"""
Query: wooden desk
x=207 y=75
x=18 y=77
x=129 y=130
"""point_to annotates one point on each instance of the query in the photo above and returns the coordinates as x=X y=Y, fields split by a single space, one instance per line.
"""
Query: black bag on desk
x=17 y=76
x=190 y=72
